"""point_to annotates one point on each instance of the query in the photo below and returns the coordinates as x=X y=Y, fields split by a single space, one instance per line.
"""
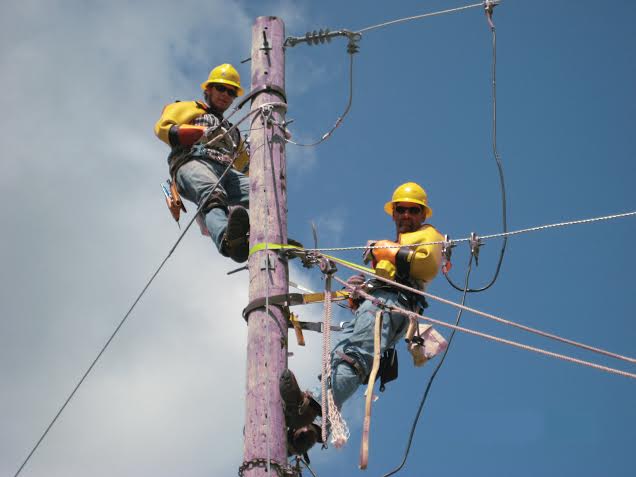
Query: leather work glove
x=367 y=255
x=216 y=136
x=389 y=254
x=213 y=132
x=356 y=281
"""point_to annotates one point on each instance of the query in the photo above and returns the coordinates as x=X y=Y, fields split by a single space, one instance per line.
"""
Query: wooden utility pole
x=266 y=347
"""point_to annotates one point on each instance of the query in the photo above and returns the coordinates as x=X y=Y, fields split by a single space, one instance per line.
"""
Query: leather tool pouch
x=174 y=202
x=388 y=367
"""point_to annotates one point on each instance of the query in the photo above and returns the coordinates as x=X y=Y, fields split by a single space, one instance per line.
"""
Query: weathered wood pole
x=266 y=353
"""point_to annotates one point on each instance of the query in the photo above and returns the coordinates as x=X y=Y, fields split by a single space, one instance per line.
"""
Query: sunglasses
x=224 y=89
x=411 y=210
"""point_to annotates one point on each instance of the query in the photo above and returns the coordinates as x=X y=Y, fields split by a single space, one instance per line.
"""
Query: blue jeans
x=195 y=180
x=357 y=343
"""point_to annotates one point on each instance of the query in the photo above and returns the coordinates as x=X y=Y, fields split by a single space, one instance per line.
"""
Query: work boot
x=299 y=441
x=300 y=407
x=236 y=240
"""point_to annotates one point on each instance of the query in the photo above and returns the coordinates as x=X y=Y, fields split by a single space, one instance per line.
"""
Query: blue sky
x=85 y=226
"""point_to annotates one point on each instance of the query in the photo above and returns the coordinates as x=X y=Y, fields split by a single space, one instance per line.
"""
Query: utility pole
x=266 y=339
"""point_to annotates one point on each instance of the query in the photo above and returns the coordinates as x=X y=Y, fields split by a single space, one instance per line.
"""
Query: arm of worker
x=173 y=128
x=421 y=262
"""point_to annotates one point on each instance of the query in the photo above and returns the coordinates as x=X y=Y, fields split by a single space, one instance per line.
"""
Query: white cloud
x=82 y=85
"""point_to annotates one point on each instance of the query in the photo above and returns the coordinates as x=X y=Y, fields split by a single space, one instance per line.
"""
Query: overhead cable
x=132 y=307
x=425 y=15
x=489 y=5
x=551 y=354
x=321 y=36
x=488 y=315
x=483 y=237
x=351 y=49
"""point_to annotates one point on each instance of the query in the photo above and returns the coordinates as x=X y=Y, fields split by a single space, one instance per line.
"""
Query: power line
x=487 y=336
x=488 y=315
x=425 y=15
x=482 y=237
x=352 y=49
x=322 y=36
x=502 y=185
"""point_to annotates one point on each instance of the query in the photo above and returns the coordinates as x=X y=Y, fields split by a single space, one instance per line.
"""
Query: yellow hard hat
x=224 y=74
x=409 y=192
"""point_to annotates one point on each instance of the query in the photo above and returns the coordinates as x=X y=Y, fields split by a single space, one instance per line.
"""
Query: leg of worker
x=237 y=186
x=358 y=346
x=196 y=179
x=344 y=382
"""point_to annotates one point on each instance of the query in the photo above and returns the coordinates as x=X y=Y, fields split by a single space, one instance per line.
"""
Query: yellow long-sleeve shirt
x=197 y=114
x=421 y=263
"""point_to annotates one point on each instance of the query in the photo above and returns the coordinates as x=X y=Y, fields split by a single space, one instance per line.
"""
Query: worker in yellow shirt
x=203 y=147
x=352 y=358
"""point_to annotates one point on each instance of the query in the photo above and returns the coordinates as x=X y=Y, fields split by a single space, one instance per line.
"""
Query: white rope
x=331 y=416
x=267 y=321
x=482 y=237
x=490 y=337
x=492 y=317
x=326 y=361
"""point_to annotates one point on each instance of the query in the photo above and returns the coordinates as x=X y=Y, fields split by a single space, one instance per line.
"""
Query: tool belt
x=412 y=301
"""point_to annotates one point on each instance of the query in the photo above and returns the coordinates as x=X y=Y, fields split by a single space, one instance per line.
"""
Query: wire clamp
x=283 y=127
x=307 y=257
x=447 y=251
x=327 y=267
x=352 y=46
x=475 y=242
x=266 y=111
x=489 y=6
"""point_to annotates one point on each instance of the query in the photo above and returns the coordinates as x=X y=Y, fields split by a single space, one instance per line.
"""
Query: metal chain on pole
x=282 y=470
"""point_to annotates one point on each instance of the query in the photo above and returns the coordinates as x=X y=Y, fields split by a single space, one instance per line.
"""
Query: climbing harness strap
x=364 y=447
x=357 y=367
x=296 y=251
x=292 y=299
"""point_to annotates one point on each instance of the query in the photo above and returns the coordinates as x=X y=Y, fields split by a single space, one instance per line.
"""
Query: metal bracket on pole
x=266 y=263
x=266 y=48
x=267 y=111
x=236 y=270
